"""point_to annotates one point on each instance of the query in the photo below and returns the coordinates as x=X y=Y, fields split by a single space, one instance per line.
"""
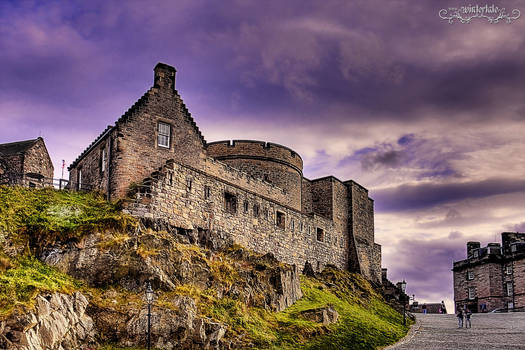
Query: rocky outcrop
x=325 y=315
x=169 y=262
x=58 y=322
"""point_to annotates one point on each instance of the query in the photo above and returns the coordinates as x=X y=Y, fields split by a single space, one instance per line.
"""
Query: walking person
x=424 y=307
x=468 y=313
x=459 y=315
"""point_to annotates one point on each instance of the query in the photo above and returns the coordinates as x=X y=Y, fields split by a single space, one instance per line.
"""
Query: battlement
x=252 y=149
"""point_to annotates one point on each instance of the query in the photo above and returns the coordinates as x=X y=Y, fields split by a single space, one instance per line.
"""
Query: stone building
x=492 y=277
x=25 y=163
x=251 y=191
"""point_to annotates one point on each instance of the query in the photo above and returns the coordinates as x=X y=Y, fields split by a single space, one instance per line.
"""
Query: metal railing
x=38 y=181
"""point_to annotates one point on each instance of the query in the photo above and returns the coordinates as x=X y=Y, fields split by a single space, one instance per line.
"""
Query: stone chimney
x=164 y=76
x=471 y=246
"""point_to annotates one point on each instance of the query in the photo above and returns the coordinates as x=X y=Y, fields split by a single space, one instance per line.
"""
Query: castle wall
x=36 y=160
x=93 y=177
x=322 y=197
x=274 y=163
x=172 y=200
x=361 y=223
x=306 y=196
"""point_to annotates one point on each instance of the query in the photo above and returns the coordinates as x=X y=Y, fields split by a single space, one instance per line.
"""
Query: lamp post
x=403 y=289
x=149 y=299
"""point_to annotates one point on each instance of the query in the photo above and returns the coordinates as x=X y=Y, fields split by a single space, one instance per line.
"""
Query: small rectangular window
x=103 y=160
x=471 y=293
x=510 y=289
x=320 y=234
x=510 y=305
x=256 y=210
x=79 y=179
x=470 y=275
x=475 y=253
x=245 y=207
x=163 y=135
x=207 y=192
x=508 y=270
x=230 y=202
x=292 y=224
x=300 y=226
x=280 y=219
x=170 y=178
x=189 y=184
x=513 y=248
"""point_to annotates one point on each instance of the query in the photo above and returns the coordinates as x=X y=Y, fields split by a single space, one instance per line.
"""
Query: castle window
x=471 y=293
x=301 y=226
x=163 y=135
x=230 y=202
x=292 y=224
x=188 y=184
x=470 y=275
x=79 y=179
x=256 y=210
x=245 y=205
x=280 y=219
x=475 y=253
x=170 y=178
x=207 y=192
x=510 y=305
x=320 y=234
x=513 y=248
x=510 y=289
x=508 y=270
x=266 y=177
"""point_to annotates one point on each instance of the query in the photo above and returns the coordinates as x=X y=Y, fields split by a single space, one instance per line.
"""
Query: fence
x=38 y=181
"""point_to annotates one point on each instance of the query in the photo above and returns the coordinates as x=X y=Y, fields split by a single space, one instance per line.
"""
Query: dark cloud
x=425 y=195
x=388 y=159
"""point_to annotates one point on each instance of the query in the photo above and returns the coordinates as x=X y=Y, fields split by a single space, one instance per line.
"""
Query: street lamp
x=149 y=299
x=403 y=289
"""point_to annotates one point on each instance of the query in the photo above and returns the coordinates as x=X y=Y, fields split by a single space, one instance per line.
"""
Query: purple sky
x=430 y=116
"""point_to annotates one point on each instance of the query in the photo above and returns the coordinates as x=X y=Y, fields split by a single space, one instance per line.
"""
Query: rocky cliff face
x=58 y=321
x=115 y=268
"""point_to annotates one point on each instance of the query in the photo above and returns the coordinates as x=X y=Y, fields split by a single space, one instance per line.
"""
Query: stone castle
x=253 y=192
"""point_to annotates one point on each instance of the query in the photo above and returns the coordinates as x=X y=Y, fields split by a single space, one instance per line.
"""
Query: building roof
x=11 y=148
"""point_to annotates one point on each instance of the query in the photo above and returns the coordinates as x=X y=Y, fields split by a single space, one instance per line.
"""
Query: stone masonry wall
x=362 y=229
x=36 y=160
x=182 y=205
x=274 y=163
x=487 y=282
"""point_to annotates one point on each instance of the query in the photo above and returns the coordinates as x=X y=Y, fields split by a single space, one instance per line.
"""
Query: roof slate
x=11 y=148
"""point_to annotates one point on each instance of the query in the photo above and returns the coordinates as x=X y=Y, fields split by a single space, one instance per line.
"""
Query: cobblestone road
x=489 y=331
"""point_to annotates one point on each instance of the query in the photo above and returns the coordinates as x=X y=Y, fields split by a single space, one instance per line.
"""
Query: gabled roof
x=11 y=148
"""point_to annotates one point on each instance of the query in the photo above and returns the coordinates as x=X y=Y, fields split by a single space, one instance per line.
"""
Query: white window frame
x=470 y=275
x=471 y=293
x=79 y=179
x=510 y=289
x=163 y=133
x=510 y=305
x=508 y=270
x=103 y=163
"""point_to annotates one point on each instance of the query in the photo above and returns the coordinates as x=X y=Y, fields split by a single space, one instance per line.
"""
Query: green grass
x=45 y=215
x=20 y=284
x=365 y=320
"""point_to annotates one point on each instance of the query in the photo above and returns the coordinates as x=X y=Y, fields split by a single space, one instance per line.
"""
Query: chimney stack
x=164 y=76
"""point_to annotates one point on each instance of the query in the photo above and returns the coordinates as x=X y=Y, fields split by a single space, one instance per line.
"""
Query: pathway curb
x=411 y=332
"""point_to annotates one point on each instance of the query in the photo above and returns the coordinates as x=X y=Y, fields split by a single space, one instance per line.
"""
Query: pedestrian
x=459 y=315
x=468 y=313
x=424 y=307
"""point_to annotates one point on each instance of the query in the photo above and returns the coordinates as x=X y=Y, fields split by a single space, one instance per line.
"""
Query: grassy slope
x=365 y=321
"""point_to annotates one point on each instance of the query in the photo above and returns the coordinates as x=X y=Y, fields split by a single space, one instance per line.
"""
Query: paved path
x=488 y=332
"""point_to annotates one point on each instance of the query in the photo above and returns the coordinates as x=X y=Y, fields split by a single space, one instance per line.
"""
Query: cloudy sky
x=430 y=116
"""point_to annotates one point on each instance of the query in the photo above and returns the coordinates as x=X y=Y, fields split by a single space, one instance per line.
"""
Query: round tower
x=271 y=162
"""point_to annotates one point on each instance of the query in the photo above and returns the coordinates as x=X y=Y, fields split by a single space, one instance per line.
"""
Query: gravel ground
x=489 y=331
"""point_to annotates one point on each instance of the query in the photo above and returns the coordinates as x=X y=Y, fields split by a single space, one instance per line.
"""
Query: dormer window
x=163 y=135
